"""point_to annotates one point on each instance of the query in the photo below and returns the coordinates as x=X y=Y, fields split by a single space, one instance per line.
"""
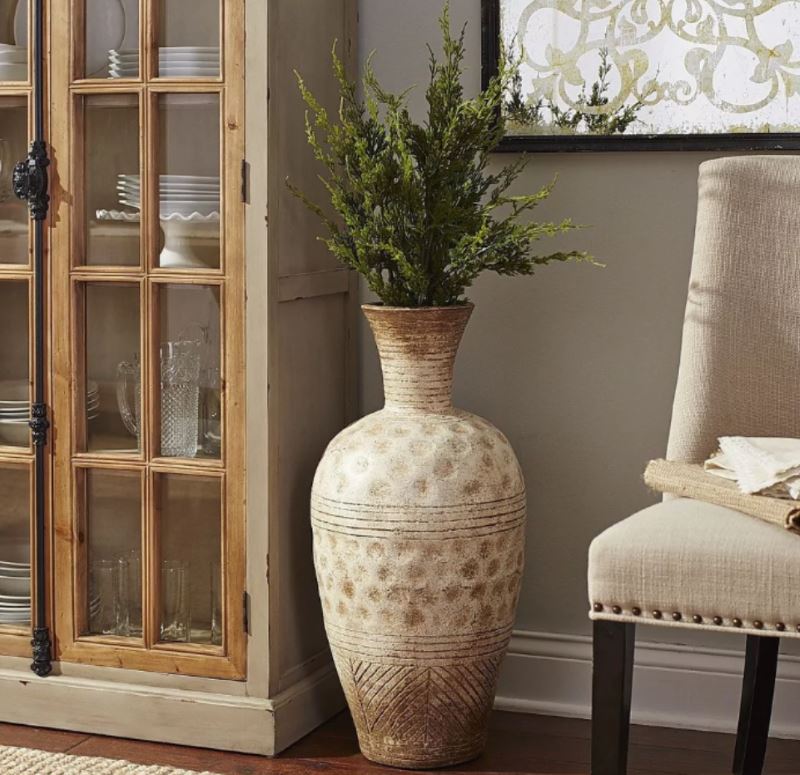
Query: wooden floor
x=525 y=745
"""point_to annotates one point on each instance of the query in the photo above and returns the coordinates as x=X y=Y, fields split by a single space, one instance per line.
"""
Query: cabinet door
x=16 y=357
x=148 y=310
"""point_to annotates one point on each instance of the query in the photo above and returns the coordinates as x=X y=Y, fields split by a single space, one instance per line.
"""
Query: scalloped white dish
x=128 y=217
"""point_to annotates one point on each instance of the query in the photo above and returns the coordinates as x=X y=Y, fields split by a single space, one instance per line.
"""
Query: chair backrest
x=740 y=360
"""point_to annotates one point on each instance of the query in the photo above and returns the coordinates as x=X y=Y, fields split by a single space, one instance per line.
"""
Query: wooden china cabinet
x=177 y=348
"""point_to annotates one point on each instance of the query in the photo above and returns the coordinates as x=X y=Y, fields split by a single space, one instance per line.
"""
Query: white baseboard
x=673 y=686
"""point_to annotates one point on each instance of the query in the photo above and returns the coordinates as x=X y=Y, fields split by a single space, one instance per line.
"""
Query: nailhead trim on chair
x=677 y=616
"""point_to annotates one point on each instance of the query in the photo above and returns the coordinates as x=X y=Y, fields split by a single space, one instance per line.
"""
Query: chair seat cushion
x=684 y=563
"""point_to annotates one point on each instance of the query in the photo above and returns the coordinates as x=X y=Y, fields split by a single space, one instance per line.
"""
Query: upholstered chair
x=684 y=563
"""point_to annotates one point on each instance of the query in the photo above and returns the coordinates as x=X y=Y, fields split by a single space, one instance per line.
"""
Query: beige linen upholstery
x=738 y=375
x=694 y=559
x=740 y=358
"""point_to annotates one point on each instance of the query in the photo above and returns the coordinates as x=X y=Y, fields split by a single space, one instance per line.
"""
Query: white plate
x=92 y=415
x=166 y=185
x=172 y=191
x=174 y=178
x=15 y=394
x=168 y=56
x=166 y=72
x=7 y=566
x=15 y=600
x=14 y=574
x=19 y=57
x=186 y=71
x=134 y=201
x=201 y=196
x=13 y=570
x=167 y=50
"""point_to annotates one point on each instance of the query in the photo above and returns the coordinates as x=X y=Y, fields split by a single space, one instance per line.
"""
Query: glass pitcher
x=180 y=397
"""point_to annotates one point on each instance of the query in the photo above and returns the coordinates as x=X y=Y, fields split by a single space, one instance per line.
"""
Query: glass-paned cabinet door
x=149 y=240
x=17 y=563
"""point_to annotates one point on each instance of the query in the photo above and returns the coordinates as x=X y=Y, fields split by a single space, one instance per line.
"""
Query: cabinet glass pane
x=112 y=39
x=189 y=184
x=15 y=552
x=191 y=400
x=113 y=601
x=112 y=183
x=14 y=219
x=15 y=405
x=189 y=513
x=188 y=43
x=112 y=409
x=14 y=40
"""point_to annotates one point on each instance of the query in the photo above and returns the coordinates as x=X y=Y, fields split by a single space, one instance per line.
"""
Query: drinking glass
x=211 y=414
x=104 y=597
x=175 y=610
x=180 y=397
x=216 y=604
x=133 y=589
x=123 y=598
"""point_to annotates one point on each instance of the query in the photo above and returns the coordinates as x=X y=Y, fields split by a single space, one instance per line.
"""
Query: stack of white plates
x=173 y=62
x=182 y=195
x=15 y=584
x=15 y=411
x=13 y=62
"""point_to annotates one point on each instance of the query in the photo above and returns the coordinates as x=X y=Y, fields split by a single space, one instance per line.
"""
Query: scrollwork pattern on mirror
x=653 y=67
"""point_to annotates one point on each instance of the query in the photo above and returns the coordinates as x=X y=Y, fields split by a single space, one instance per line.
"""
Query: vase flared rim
x=442 y=308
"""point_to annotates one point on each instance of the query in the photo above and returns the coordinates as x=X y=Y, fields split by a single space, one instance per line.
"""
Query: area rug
x=25 y=761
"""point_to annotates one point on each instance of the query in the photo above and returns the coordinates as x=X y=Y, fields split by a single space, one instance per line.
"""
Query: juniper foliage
x=419 y=213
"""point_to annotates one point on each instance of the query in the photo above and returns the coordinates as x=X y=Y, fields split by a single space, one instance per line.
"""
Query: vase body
x=418 y=514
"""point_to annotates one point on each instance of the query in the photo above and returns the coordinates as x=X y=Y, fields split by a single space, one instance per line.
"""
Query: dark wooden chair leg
x=612 y=680
x=758 y=687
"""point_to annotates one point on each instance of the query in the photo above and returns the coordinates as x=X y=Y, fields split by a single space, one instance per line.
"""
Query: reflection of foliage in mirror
x=587 y=116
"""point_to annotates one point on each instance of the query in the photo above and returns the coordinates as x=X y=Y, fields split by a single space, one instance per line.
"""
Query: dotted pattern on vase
x=418 y=516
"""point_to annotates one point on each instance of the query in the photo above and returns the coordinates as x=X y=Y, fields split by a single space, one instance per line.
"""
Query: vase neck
x=418 y=349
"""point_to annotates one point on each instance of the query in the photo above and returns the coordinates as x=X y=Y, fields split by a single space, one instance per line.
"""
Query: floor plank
x=518 y=745
x=53 y=740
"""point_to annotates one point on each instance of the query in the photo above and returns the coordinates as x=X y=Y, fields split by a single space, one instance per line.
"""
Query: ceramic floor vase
x=418 y=515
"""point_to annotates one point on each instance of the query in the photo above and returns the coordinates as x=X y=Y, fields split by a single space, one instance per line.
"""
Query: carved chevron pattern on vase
x=413 y=709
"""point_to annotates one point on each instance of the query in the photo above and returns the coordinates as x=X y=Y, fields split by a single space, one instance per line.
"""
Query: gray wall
x=576 y=365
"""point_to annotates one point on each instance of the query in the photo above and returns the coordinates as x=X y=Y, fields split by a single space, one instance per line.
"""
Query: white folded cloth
x=766 y=466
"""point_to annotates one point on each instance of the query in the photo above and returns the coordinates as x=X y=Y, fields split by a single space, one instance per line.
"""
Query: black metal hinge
x=42 y=664
x=245 y=181
x=39 y=425
x=30 y=180
x=246 y=613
